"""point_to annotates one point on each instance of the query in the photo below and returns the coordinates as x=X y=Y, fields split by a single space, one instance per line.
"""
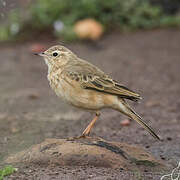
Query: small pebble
x=125 y=122
x=33 y=96
x=162 y=157
x=169 y=138
x=153 y=103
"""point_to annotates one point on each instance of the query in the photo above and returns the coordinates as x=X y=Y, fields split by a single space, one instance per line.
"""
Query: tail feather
x=132 y=114
x=137 y=118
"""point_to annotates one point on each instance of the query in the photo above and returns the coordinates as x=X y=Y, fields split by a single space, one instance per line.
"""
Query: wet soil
x=147 y=62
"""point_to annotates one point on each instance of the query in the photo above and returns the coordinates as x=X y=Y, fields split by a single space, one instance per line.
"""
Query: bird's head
x=57 y=55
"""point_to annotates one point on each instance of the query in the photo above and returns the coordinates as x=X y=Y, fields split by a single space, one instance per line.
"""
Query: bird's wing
x=90 y=77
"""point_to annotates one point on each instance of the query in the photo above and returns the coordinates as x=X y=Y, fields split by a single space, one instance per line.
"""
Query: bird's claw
x=78 y=137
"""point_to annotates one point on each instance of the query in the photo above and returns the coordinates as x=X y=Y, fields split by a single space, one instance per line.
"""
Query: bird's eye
x=55 y=54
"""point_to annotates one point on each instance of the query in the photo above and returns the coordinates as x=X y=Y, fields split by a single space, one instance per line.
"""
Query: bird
x=85 y=86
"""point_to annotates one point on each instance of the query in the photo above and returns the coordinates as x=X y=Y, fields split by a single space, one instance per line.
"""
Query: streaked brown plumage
x=85 y=86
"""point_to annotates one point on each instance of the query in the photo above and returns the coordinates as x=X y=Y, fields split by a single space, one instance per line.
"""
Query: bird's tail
x=126 y=109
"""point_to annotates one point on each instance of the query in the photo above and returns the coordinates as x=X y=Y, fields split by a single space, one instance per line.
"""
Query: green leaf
x=8 y=170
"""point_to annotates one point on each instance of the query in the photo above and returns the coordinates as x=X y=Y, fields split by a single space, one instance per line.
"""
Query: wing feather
x=90 y=77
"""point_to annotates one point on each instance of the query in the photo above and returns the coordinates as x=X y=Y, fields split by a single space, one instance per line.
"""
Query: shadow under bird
x=85 y=86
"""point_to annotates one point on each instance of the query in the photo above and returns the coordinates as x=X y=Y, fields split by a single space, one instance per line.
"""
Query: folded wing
x=101 y=82
x=110 y=86
x=90 y=77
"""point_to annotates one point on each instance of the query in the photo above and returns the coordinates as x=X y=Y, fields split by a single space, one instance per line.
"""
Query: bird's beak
x=40 y=54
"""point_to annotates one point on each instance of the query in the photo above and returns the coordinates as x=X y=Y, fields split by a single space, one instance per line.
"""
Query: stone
x=92 y=151
x=125 y=122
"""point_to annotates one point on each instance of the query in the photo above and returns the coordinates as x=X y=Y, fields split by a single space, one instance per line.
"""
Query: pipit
x=85 y=86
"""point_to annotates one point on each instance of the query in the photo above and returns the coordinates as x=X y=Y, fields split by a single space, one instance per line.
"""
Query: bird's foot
x=78 y=137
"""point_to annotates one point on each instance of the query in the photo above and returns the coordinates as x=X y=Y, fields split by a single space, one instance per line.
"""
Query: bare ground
x=147 y=62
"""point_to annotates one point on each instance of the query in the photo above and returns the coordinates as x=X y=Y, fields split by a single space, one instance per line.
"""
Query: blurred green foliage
x=130 y=13
x=122 y=14
x=12 y=28
x=8 y=170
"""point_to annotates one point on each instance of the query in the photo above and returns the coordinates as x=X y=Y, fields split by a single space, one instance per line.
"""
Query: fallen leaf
x=37 y=47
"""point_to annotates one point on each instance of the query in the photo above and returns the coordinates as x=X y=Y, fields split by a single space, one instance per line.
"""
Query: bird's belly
x=87 y=100
x=84 y=99
x=74 y=94
x=79 y=97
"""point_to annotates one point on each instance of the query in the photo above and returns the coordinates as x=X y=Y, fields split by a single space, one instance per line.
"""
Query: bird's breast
x=55 y=82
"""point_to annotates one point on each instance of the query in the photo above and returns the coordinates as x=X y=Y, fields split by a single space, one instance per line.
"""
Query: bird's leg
x=87 y=131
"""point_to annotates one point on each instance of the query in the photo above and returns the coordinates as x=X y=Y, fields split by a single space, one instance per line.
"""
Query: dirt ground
x=146 y=62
